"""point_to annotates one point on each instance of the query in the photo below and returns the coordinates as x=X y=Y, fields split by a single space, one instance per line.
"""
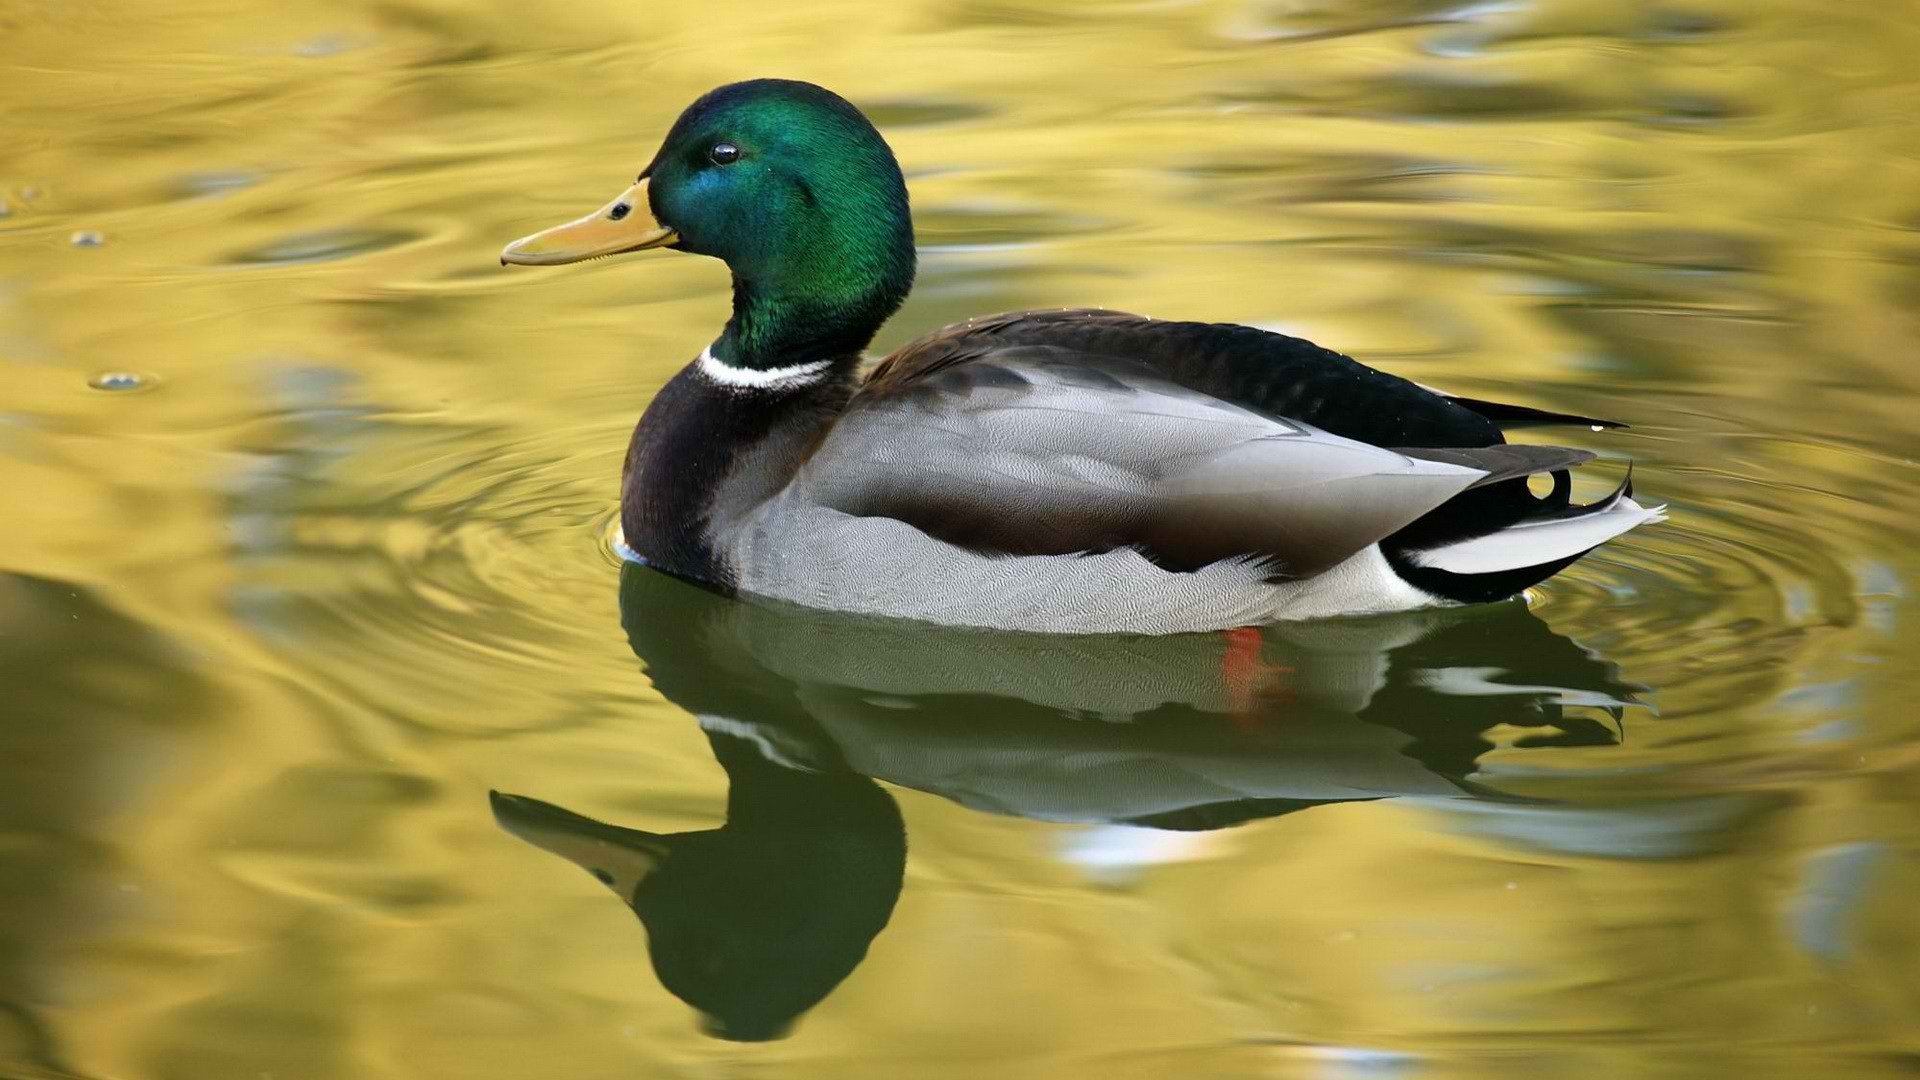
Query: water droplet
x=87 y=238
x=120 y=381
x=1599 y=427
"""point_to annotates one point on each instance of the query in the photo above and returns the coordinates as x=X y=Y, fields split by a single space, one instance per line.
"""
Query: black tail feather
x=1519 y=416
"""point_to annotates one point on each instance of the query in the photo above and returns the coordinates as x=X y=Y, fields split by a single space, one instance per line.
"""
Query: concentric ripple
x=402 y=561
x=1764 y=584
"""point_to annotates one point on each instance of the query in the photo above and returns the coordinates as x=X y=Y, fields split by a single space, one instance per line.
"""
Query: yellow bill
x=625 y=224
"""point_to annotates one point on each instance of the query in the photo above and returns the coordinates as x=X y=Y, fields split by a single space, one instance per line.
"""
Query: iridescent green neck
x=818 y=312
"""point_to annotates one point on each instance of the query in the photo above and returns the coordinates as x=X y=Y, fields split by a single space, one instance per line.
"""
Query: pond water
x=307 y=505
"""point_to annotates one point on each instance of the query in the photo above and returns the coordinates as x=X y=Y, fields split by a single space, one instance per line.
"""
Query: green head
x=791 y=187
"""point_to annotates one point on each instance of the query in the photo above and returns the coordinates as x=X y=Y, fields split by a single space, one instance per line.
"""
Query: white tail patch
x=1543 y=540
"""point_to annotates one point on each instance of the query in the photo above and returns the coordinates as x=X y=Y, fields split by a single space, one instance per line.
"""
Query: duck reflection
x=757 y=921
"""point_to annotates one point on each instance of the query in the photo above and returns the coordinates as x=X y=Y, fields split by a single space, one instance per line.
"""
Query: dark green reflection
x=757 y=921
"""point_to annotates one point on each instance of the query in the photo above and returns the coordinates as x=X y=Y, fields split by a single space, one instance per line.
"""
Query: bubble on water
x=120 y=381
x=87 y=238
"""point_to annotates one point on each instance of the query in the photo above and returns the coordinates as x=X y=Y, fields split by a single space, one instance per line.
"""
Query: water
x=272 y=628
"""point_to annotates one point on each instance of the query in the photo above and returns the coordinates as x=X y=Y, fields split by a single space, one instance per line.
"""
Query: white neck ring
x=780 y=378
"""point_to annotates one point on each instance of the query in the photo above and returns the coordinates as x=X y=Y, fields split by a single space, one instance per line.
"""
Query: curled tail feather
x=1543 y=539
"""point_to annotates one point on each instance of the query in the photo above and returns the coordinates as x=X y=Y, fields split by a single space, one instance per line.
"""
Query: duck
x=1078 y=471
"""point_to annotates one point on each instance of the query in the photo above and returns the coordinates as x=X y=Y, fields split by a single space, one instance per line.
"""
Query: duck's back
x=1296 y=380
x=1257 y=369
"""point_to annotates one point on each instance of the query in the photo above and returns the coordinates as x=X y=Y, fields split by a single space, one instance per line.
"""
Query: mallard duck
x=1056 y=471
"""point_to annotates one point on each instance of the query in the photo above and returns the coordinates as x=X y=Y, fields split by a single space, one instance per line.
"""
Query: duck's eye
x=724 y=153
x=619 y=211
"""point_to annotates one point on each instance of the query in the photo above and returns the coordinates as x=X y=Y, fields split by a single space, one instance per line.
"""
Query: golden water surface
x=304 y=506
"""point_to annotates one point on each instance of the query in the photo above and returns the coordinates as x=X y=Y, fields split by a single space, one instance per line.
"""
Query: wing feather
x=1061 y=452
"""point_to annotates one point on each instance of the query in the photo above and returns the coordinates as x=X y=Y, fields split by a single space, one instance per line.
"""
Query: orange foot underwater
x=1247 y=678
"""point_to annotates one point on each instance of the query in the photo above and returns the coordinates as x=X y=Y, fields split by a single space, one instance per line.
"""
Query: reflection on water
x=756 y=921
x=304 y=503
